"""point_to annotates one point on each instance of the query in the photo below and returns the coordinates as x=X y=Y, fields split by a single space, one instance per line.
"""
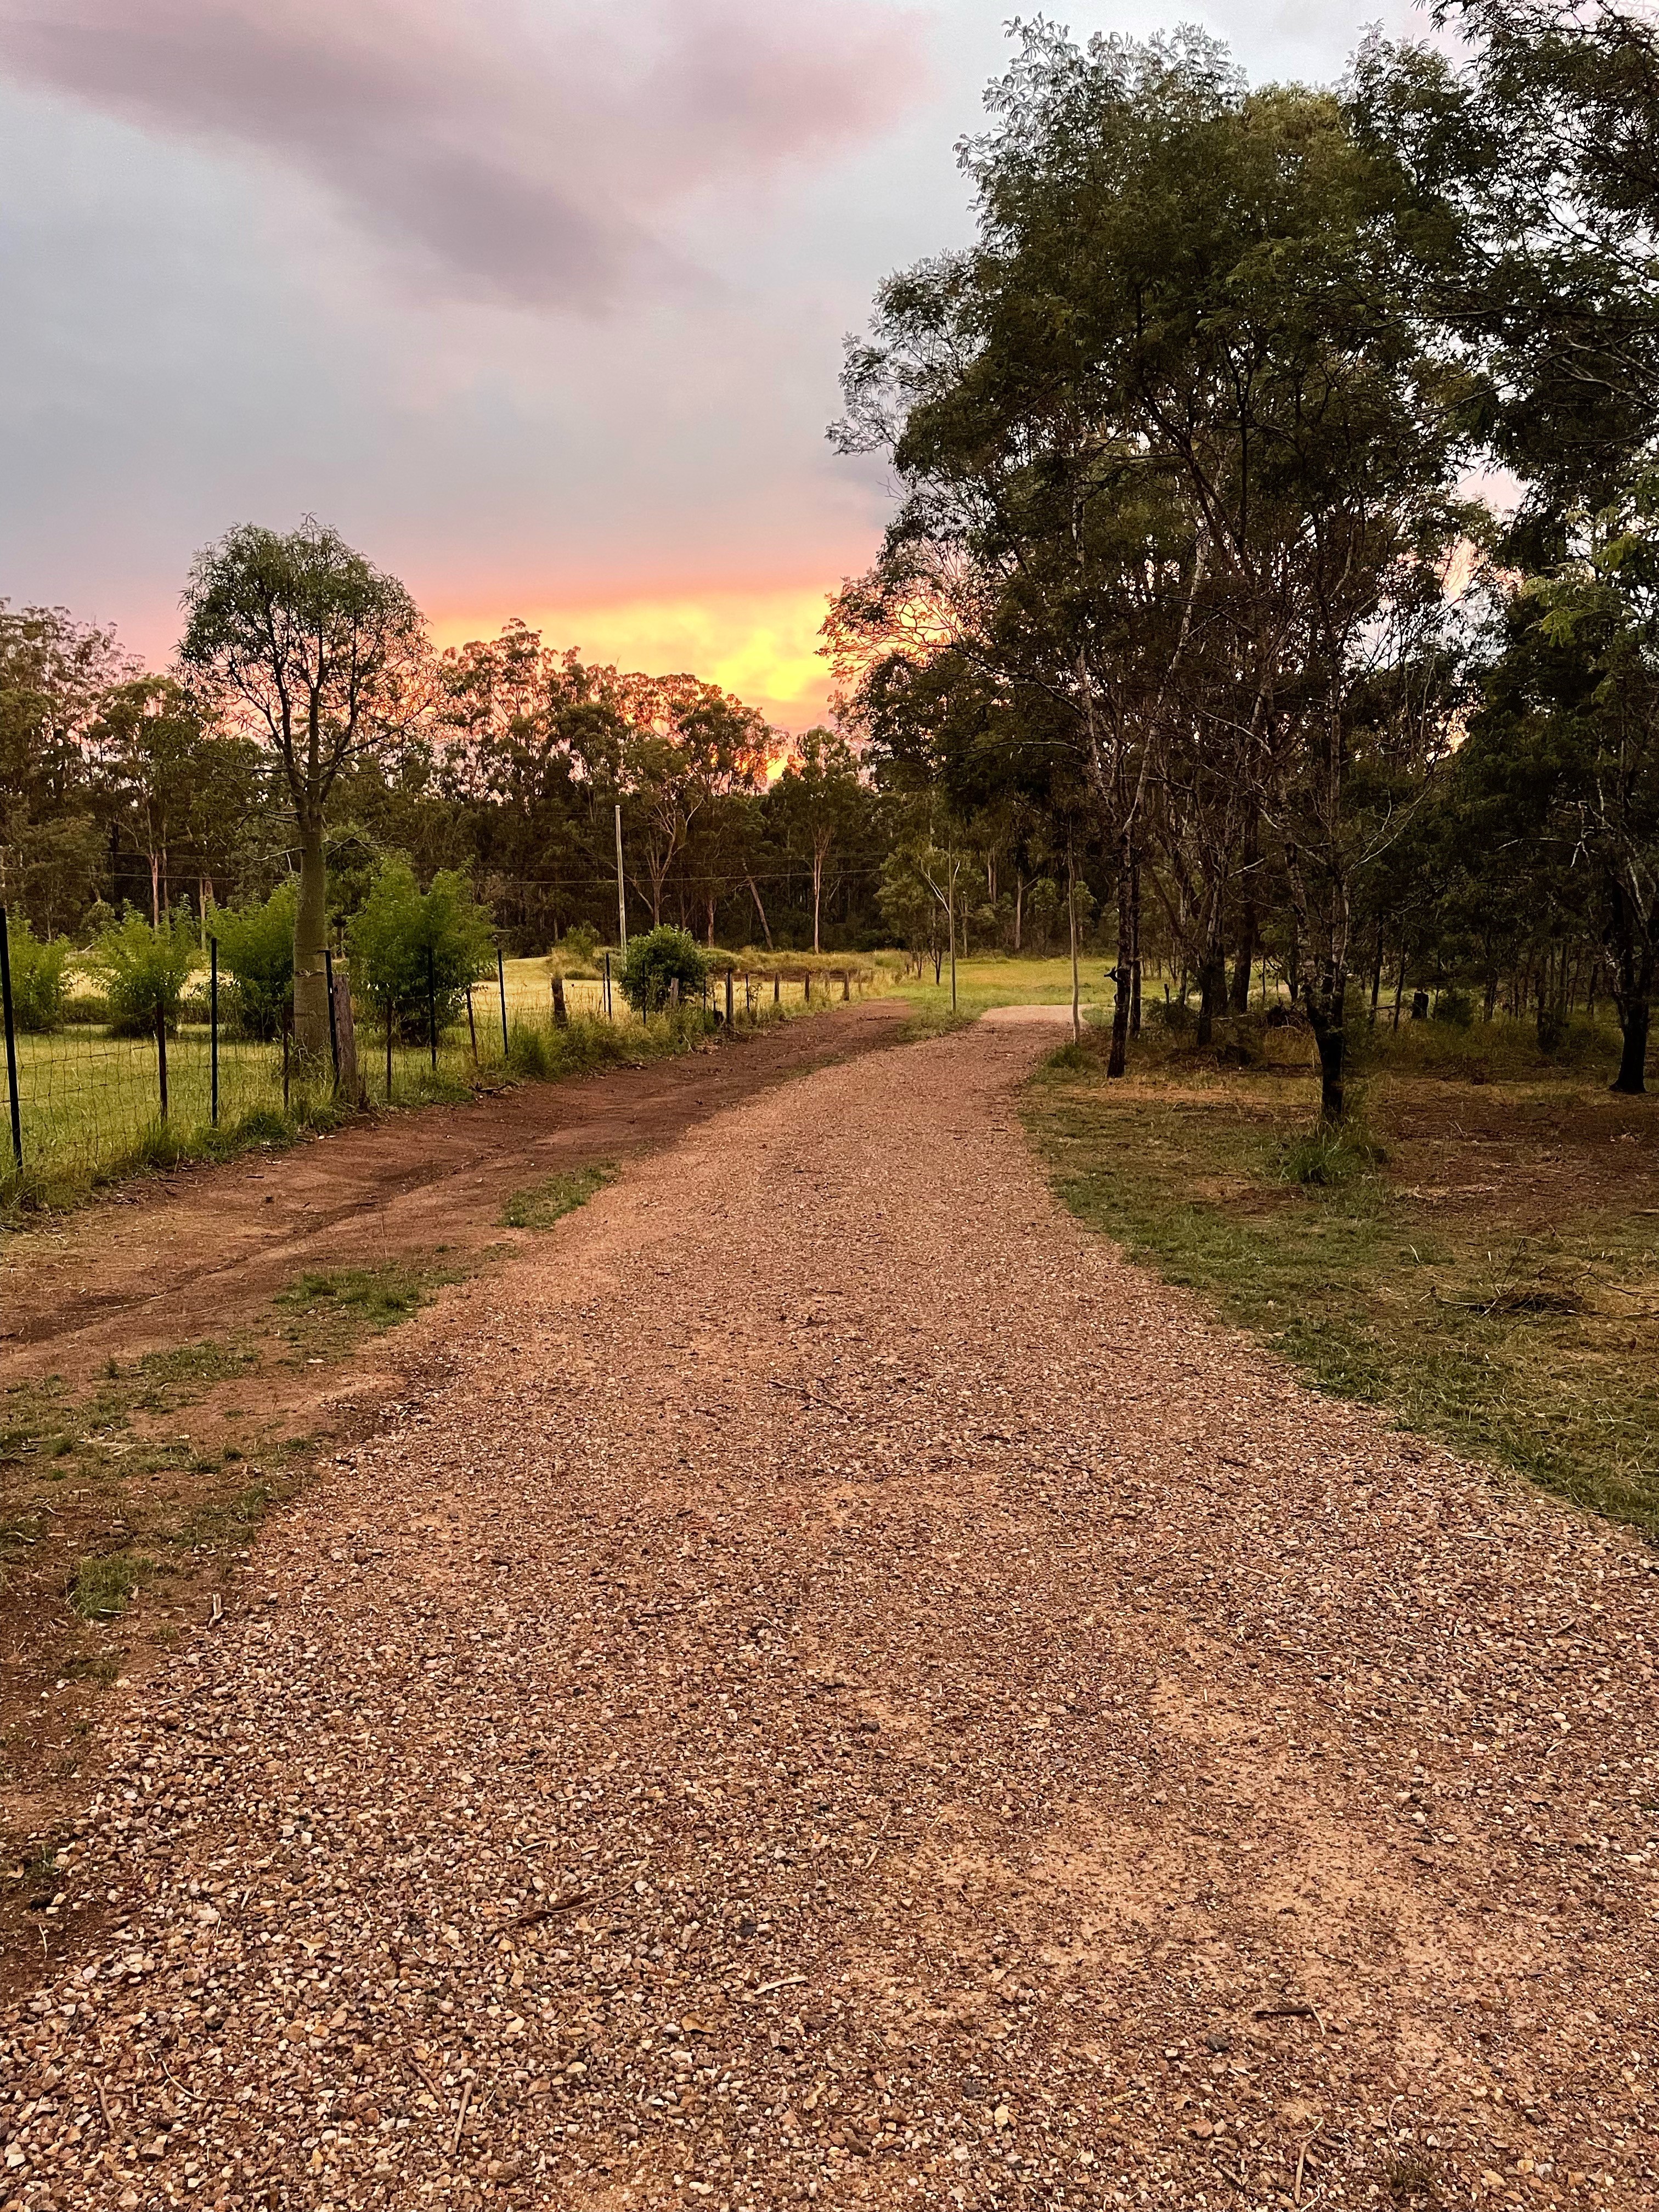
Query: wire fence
x=87 y=1104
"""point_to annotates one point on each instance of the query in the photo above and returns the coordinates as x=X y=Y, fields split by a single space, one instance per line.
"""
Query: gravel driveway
x=850 y=1691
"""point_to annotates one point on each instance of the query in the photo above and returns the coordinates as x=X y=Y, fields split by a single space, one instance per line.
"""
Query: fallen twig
x=460 y=2119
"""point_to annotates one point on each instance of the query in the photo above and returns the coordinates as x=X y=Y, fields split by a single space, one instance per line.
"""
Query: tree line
x=1279 y=525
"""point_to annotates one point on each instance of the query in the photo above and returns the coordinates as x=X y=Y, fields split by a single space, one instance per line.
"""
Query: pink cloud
x=532 y=154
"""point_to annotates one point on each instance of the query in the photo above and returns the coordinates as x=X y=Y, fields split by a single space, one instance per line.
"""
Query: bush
x=403 y=938
x=144 y=972
x=1455 y=1008
x=1331 y=1152
x=37 y=977
x=256 y=950
x=656 y=961
x=579 y=951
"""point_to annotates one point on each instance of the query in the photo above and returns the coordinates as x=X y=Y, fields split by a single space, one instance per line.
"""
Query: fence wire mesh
x=90 y=1104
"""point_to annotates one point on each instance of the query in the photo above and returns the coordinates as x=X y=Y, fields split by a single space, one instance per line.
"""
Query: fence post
x=607 y=987
x=432 y=1007
x=808 y=987
x=501 y=977
x=777 y=990
x=11 y=1044
x=728 y=1000
x=389 y=1020
x=560 y=1011
x=162 y=1053
x=846 y=985
x=333 y=1022
x=471 y=1026
x=213 y=1018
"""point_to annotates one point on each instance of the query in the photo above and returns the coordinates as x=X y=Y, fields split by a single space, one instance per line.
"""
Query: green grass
x=543 y=1203
x=326 y=1314
x=1535 y=1347
x=999 y=980
x=103 y=1587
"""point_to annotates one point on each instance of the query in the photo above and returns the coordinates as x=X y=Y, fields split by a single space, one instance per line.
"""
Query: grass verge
x=1486 y=1267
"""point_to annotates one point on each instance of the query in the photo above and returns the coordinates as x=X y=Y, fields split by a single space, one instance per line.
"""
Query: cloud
x=531 y=152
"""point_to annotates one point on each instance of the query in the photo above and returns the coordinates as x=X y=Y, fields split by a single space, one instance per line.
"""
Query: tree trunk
x=817 y=901
x=1326 y=1010
x=1134 y=950
x=310 y=936
x=156 y=890
x=1019 y=902
x=766 y=926
x=1117 y=1059
x=1635 y=1014
x=1212 y=993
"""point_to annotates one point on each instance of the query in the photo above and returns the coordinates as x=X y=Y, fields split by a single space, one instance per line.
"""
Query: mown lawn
x=1493 y=1278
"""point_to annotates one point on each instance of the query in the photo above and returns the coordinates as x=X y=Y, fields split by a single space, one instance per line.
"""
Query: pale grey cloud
x=532 y=151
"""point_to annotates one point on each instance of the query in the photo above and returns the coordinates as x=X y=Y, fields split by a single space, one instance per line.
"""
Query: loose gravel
x=850 y=1693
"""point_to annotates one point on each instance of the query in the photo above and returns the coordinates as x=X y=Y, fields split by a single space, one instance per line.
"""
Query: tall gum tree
x=322 y=656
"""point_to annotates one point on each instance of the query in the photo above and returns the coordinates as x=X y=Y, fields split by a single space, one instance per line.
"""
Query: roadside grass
x=1479 y=1255
x=96 y=1492
x=543 y=1203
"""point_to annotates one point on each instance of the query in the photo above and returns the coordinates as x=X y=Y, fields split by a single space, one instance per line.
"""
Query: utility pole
x=622 y=896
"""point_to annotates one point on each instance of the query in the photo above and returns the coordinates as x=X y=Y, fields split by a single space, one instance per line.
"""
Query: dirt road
x=888 y=1707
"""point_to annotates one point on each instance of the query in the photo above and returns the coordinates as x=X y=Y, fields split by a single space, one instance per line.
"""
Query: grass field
x=1483 y=1259
x=998 y=980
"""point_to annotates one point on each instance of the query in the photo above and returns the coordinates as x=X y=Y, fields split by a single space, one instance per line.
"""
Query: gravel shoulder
x=851 y=1692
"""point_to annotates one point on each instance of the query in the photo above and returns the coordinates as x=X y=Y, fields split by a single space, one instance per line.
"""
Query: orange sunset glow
x=763 y=644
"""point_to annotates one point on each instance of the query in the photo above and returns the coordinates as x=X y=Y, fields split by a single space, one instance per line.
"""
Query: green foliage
x=144 y=970
x=37 y=977
x=655 y=962
x=256 y=949
x=1455 y=1008
x=404 y=939
x=580 y=948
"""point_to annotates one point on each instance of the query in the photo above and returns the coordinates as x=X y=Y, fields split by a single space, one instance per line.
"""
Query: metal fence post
x=333 y=1021
x=471 y=1025
x=728 y=1000
x=501 y=977
x=607 y=987
x=213 y=1019
x=432 y=1006
x=11 y=1044
x=162 y=1053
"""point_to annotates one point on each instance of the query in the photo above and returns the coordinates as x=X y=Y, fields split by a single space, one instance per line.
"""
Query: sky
x=540 y=302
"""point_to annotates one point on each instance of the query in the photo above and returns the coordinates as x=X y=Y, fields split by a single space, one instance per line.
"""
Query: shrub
x=1455 y=1008
x=400 y=929
x=1330 y=1153
x=256 y=950
x=144 y=972
x=656 y=961
x=37 y=977
x=580 y=948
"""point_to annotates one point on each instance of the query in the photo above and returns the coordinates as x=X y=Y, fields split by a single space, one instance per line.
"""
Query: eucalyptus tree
x=321 y=656
x=1176 y=451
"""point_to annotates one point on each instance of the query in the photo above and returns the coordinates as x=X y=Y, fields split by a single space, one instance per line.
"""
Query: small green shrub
x=578 y=953
x=37 y=977
x=1330 y=1153
x=1455 y=1008
x=144 y=972
x=405 y=941
x=256 y=950
x=655 y=963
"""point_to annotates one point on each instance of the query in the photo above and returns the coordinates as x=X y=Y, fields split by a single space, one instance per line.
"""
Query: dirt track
x=888 y=1707
x=172 y=1256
